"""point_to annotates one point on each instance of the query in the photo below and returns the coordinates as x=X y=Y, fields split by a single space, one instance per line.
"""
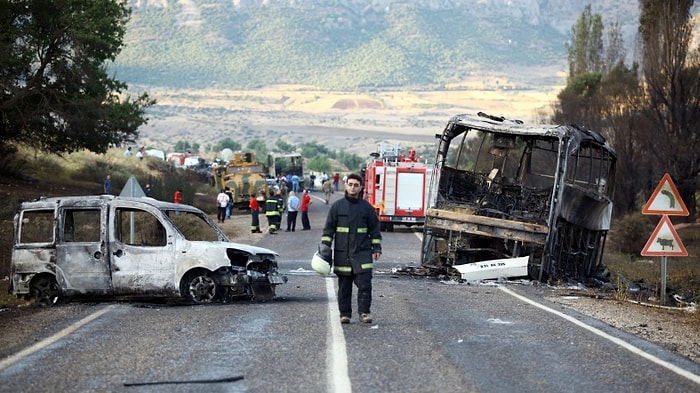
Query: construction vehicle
x=243 y=175
x=395 y=186
x=537 y=197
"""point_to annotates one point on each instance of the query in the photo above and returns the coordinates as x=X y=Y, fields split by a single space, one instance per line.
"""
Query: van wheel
x=201 y=289
x=44 y=290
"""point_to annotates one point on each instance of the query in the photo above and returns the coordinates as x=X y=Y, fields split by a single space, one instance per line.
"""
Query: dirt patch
x=356 y=103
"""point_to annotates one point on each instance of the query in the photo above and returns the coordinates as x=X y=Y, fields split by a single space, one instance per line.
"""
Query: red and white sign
x=666 y=200
x=664 y=241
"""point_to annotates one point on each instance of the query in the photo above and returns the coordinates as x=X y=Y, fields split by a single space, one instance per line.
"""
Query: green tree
x=284 y=147
x=605 y=95
x=184 y=146
x=227 y=143
x=55 y=91
x=351 y=161
x=312 y=149
x=672 y=76
x=586 y=50
x=259 y=148
x=319 y=164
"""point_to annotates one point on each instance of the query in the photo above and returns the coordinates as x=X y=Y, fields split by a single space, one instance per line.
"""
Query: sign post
x=664 y=241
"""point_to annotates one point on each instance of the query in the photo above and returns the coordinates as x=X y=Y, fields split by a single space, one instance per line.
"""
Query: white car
x=115 y=246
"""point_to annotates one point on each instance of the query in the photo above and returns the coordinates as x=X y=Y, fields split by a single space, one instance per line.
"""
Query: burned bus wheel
x=44 y=290
x=201 y=288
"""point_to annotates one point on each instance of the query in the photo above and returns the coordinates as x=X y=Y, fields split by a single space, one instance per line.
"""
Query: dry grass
x=682 y=273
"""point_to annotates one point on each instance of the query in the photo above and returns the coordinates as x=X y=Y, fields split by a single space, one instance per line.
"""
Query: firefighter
x=274 y=206
x=254 y=214
x=352 y=228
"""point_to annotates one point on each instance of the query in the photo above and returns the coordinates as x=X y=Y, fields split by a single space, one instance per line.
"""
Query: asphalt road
x=427 y=336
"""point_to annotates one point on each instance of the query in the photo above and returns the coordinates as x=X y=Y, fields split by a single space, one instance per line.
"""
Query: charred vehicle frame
x=136 y=247
x=504 y=189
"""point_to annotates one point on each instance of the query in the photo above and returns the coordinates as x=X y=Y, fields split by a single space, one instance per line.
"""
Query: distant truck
x=243 y=175
x=286 y=164
x=395 y=186
x=519 y=200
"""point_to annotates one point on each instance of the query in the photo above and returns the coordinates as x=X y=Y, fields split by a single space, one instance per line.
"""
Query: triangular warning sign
x=666 y=200
x=664 y=241
x=132 y=188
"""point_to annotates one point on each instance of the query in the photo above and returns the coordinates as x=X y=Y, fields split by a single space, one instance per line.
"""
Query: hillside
x=352 y=44
x=332 y=71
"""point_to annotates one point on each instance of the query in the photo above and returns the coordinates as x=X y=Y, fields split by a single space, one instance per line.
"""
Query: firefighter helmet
x=320 y=265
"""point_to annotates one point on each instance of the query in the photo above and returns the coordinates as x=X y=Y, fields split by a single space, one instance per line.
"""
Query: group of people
x=275 y=206
x=139 y=153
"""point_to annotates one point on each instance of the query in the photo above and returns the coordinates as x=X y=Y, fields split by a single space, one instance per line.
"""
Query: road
x=427 y=336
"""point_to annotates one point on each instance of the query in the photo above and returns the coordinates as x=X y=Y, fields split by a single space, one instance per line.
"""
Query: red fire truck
x=395 y=185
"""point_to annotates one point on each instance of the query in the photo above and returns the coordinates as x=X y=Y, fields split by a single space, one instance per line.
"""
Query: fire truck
x=395 y=185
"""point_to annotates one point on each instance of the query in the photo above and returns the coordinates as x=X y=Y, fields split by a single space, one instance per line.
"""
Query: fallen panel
x=494 y=269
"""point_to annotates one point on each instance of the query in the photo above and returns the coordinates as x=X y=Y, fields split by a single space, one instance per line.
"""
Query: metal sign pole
x=663 y=280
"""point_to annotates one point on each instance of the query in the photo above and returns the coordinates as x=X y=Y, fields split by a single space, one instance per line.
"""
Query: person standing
x=305 y=202
x=336 y=180
x=274 y=206
x=147 y=190
x=229 y=193
x=107 y=185
x=295 y=183
x=254 y=214
x=327 y=190
x=352 y=230
x=177 y=197
x=221 y=203
x=312 y=182
x=292 y=211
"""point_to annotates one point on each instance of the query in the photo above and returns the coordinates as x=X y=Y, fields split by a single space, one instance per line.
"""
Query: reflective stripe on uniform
x=376 y=241
x=342 y=229
x=342 y=269
x=361 y=230
x=348 y=269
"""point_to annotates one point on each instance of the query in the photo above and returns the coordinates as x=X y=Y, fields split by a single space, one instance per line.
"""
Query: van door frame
x=84 y=262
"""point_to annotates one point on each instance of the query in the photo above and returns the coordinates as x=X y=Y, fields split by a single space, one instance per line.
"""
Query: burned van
x=136 y=247
x=510 y=199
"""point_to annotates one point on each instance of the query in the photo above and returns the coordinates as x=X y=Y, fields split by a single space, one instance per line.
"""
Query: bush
x=630 y=233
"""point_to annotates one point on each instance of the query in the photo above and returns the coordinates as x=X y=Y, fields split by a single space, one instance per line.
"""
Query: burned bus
x=508 y=199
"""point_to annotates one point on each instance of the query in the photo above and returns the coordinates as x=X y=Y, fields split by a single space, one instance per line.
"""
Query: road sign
x=664 y=241
x=666 y=200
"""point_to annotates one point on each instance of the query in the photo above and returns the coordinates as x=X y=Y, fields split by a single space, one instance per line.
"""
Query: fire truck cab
x=395 y=185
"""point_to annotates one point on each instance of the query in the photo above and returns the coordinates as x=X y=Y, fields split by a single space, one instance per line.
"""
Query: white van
x=115 y=246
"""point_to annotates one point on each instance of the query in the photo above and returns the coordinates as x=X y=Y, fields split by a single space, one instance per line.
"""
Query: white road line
x=684 y=373
x=337 y=369
x=52 y=339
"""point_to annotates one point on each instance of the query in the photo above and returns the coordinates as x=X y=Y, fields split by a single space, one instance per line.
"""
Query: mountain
x=352 y=45
x=347 y=74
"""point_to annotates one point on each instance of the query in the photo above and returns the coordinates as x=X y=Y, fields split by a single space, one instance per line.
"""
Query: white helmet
x=320 y=265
